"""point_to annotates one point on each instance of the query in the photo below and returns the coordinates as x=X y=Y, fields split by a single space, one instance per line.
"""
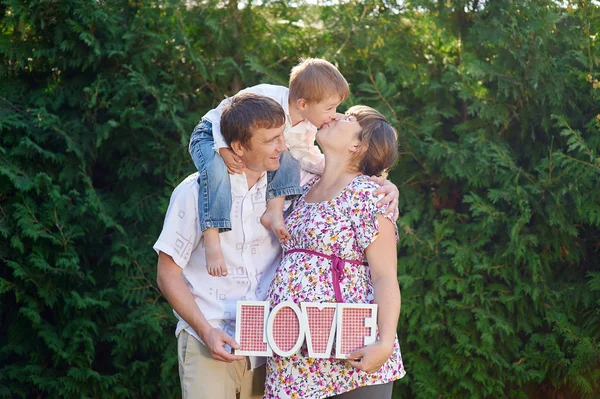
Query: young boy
x=316 y=88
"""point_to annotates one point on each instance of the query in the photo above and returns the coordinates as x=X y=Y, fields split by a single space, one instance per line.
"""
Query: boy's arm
x=232 y=161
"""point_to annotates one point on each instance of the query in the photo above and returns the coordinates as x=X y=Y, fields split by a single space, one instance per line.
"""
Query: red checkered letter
x=319 y=321
x=285 y=330
x=356 y=327
x=250 y=328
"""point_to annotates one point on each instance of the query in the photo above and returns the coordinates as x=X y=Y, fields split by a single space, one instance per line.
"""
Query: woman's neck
x=335 y=177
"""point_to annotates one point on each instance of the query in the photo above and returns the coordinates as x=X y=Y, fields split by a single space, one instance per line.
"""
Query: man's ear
x=237 y=148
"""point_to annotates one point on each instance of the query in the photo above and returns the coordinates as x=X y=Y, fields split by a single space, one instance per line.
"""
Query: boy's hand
x=233 y=162
x=391 y=196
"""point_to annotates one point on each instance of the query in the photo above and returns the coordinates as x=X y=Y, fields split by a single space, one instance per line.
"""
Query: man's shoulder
x=360 y=190
x=362 y=183
x=188 y=185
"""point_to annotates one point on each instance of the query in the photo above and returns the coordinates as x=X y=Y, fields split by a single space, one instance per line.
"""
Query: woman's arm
x=381 y=255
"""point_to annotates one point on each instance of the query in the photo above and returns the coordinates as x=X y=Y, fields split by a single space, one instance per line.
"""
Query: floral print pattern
x=345 y=226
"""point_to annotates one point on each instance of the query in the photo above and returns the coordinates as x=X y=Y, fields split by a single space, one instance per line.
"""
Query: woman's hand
x=391 y=194
x=370 y=358
x=233 y=162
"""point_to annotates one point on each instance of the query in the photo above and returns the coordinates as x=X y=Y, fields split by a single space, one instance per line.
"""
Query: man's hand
x=233 y=162
x=370 y=358
x=391 y=196
x=215 y=340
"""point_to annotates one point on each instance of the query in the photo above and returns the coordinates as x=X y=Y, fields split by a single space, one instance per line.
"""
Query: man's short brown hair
x=248 y=111
x=379 y=138
x=315 y=80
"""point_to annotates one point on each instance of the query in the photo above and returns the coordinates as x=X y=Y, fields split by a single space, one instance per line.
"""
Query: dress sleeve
x=363 y=212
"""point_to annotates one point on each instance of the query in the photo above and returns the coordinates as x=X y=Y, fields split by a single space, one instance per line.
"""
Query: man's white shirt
x=251 y=251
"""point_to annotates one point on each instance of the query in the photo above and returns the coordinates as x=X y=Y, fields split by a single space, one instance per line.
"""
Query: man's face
x=264 y=149
x=321 y=112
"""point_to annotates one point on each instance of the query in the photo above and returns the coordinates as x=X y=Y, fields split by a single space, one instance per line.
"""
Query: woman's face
x=339 y=135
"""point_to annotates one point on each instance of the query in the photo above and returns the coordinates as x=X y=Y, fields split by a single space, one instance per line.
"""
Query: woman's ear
x=357 y=147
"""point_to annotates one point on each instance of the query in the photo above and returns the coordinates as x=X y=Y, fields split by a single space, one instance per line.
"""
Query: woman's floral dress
x=344 y=226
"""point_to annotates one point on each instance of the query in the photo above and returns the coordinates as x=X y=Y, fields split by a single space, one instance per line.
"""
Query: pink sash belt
x=337 y=268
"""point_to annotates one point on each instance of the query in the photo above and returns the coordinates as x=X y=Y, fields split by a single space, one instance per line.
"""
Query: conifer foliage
x=497 y=104
x=90 y=147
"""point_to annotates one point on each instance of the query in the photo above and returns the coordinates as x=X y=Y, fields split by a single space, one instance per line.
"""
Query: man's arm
x=387 y=188
x=171 y=284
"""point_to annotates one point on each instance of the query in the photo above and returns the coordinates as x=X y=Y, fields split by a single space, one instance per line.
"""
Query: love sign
x=284 y=329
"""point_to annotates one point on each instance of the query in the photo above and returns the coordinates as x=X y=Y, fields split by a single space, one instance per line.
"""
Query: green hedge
x=498 y=108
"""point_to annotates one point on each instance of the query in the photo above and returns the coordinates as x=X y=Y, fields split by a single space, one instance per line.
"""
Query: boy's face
x=264 y=149
x=321 y=112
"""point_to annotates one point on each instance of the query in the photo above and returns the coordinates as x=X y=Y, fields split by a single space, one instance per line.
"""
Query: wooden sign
x=284 y=329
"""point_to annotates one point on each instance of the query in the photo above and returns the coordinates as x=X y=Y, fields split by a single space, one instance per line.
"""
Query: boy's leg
x=273 y=218
x=203 y=377
x=215 y=261
x=284 y=183
x=214 y=197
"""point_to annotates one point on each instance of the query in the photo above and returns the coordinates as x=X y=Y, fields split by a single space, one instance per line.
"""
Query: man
x=252 y=126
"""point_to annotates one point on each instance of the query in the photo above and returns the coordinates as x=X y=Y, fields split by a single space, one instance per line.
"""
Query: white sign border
x=370 y=322
x=320 y=306
x=301 y=333
x=238 y=328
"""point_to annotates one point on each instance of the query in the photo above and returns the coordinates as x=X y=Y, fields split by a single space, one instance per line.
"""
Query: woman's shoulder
x=360 y=190
x=311 y=182
x=362 y=184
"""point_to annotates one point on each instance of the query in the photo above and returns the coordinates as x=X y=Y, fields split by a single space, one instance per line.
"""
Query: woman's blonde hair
x=379 y=141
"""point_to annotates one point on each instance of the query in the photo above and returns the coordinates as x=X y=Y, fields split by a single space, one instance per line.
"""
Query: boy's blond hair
x=315 y=80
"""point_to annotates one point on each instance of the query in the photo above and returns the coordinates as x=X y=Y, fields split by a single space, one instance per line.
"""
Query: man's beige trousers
x=203 y=377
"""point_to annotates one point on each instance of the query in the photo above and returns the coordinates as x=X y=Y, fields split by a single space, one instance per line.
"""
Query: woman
x=337 y=216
